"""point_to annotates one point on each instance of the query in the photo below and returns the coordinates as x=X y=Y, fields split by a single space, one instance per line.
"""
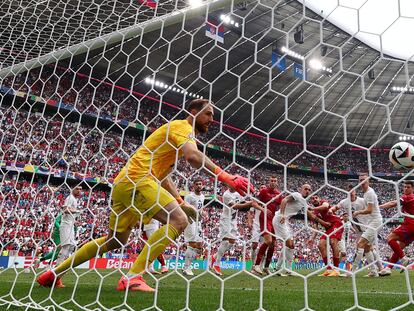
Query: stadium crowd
x=28 y=207
x=110 y=103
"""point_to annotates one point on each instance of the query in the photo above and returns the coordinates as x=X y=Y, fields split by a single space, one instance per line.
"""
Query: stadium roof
x=380 y=24
x=236 y=74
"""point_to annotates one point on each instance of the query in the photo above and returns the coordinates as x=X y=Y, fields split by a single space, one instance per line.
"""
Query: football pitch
x=239 y=291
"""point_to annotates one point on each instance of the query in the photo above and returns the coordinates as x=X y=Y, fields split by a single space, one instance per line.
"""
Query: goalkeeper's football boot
x=46 y=279
x=134 y=284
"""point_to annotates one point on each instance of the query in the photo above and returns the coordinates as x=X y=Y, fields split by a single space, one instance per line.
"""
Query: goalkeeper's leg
x=175 y=221
x=88 y=251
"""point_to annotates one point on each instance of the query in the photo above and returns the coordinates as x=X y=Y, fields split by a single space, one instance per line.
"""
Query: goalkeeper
x=144 y=190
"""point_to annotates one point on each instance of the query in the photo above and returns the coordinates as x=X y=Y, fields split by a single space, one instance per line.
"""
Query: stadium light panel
x=292 y=53
x=315 y=64
x=160 y=84
x=228 y=20
x=402 y=89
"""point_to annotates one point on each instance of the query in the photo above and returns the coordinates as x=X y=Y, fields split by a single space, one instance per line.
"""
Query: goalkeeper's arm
x=197 y=159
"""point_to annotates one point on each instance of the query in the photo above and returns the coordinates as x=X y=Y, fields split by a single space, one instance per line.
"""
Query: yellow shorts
x=133 y=202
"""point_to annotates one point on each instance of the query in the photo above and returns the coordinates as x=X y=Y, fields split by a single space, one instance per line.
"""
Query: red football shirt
x=407 y=206
x=267 y=194
x=328 y=217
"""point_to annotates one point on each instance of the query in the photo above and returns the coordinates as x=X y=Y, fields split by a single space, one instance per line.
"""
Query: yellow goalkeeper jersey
x=158 y=153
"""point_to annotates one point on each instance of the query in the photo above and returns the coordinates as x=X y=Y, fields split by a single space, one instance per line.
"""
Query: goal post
x=155 y=23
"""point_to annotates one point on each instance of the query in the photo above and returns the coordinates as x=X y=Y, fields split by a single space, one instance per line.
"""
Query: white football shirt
x=70 y=218
x=371 y=197
x=293 y=207
x=230 y=214
x=195 y=200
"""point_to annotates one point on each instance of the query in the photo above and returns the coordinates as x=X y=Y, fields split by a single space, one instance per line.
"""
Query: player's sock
x=253 y=254
x=325 y=262
x=190 y=255
x=161 y=259
x=280 y=259
x=155 y=245
x=260 y=254
x=395 y=246
x=358 y=258
x=269 y=255
x=394 y=259
x=336 y=261
x=370 y=259
x=86 y=252
x=224 y=246
x=289 y=257
x=377 y=259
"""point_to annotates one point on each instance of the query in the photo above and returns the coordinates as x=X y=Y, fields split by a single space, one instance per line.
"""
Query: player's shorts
x=228 y=231
x=268 y=227
x=255 y=233
x=67 y=235
x=334 y=232
x=130 y=201
x=341 y=246
x=282 y=231
x=371 y=232
x=192 y=233
x=405 y=232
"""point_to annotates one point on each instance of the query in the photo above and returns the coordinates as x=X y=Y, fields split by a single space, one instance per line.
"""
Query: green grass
x=241 y=292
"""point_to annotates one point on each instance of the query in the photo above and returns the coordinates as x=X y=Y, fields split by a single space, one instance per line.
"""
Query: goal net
x=297 y=100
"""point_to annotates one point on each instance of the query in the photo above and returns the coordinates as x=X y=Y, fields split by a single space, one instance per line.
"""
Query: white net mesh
x=295 y=98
